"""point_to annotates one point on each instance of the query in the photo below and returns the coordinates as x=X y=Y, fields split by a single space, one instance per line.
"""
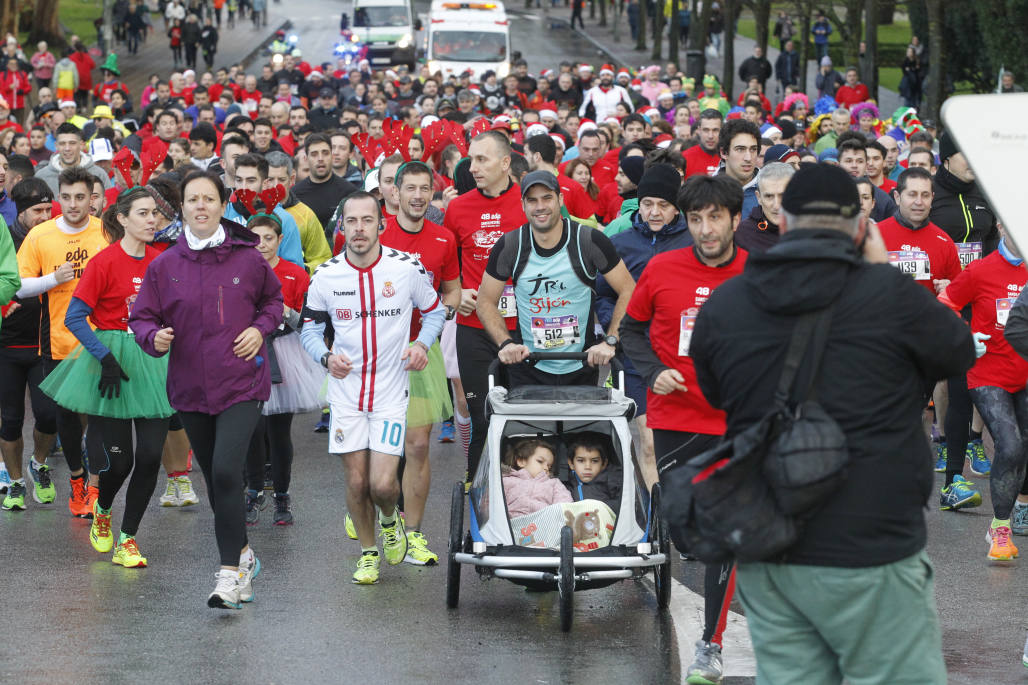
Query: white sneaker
x=186 y=496
x=248 y=570
x=226 y=592
x=170 y=496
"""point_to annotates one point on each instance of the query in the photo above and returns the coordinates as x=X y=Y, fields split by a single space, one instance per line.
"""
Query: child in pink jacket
x=530 y=484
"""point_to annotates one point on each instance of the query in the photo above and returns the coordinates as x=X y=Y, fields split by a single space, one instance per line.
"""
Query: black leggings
x=957 y=425
x=718 y=579
x=69 y=428
x=475 y=351
x=21 y=368
x=143 y=460
x=219 y=444
x=271 y=437
x=1006 y=416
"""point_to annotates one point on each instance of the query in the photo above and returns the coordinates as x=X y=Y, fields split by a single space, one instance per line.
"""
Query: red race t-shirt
x=669 y=294
x=926 y=254
x=434 y=247
x=110 y=284
x=888 y=185
x=577 y=201
x=294 y=282
x=990 y=285
x=697 y=161
x=478 y=222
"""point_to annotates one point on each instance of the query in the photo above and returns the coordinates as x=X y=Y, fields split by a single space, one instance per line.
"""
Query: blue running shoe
x=5 y=479
x=447 y=432
x=960 y=495
x=1019 y=519
x=980 y=464
x=322 y=425
x=940 y=457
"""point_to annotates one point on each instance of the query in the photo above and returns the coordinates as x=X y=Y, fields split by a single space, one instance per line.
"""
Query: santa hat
x=548 y=74
x=585 y=67
x=607 y=69
x=663 y=140
x=536 y=130
x=636 y=84
x=558 y=139
x=547 y=114
x=624 y=72
x=612 y=120
x=586 y=125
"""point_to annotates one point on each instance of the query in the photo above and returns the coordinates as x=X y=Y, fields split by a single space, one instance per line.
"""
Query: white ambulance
x=466 y=36
x=388 y=28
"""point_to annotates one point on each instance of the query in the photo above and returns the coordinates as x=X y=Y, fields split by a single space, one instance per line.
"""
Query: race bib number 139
x=914 y=263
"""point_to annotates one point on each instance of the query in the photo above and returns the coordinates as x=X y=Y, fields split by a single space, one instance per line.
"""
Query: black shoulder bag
x=747 y=498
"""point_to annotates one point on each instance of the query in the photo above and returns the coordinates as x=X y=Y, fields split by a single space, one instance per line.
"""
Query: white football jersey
x=370 y=311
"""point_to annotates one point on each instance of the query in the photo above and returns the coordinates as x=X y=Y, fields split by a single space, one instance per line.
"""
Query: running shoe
x=186 y=495
x=255 y=503
x=980 y=464
x=367 y=569
x=92 y=495
x=960 y=495
x=77 y=504
x=283 y=516
x=940 y=457
x=127 y=554
x=100 y=531
x=447 y=433
x=706 y=668
x=394 y=541
x=5 y=478
x=1019 y=519
x=170 y=496
x=226 y=590
x=15 y=498
x=322 y=425
x=43 y=490
x=418 y=552
x=1001 y=547
x=351 y=530
x=248 y=570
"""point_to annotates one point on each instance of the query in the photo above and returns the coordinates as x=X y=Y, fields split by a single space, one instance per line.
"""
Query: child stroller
x=561 y=549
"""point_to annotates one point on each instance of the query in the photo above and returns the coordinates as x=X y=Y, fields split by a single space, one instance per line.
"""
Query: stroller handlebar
x=616 y=367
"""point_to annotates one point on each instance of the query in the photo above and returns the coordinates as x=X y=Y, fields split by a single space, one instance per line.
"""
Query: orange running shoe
x=92 y=494
x=1001 y=546
x=77 y=501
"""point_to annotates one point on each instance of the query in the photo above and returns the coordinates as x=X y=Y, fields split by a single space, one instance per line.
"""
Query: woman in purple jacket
x=210 y=300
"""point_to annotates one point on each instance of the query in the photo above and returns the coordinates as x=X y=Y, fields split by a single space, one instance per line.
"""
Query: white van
x=471 y=36
x=388 y=28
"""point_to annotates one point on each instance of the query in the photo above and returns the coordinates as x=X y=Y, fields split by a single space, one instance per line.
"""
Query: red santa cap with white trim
x=607 y=69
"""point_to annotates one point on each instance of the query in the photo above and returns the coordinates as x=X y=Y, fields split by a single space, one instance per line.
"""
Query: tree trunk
x=9 y=17
x=673 y=50
x=698 y=31
x=615 y=29
x=885 y=12
x=804 y=9
x=728 y=48
x=762 y=16
x=934 y=86
x=640 y=35
x=603 y=12
x=658 y=31
x=46 y=25
x=871 y=46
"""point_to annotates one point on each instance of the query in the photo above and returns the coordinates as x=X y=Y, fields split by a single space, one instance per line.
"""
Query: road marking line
x=687 y=613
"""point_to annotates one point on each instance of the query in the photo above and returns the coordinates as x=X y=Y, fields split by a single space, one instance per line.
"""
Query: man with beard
x=599 y=101
x=322 y=191
x=703 y=158
x=758 y=232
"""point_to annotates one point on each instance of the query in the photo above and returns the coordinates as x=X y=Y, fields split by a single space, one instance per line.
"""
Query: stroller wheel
x=455 y=545
x=660 y=537
x=566 y=578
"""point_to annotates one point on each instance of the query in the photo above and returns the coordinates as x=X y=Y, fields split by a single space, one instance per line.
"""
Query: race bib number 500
x=914 y=263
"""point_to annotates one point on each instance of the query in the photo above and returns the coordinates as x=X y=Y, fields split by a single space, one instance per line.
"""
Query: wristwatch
x=324 y=359
x=450 y=313
x=611 y=340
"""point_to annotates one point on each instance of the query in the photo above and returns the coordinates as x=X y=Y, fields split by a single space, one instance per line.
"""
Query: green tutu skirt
x=429 y=397
x=74 y=384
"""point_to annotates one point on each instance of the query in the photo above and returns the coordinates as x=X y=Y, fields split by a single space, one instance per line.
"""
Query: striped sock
x=464 y=431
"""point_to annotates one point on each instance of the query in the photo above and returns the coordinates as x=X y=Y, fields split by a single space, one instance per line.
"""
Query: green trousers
x=820 y=624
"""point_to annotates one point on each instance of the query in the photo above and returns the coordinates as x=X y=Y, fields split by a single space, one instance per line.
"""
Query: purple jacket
x=209 y=297
x=526 y=495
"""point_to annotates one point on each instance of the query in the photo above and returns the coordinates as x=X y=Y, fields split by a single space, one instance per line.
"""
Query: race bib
x=914 y=263
x=508 y=305
x=685 y=334
x=555 y=332
x=1003 y=306
x=968 y=253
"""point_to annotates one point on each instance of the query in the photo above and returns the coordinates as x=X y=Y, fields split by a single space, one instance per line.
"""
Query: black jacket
x=787 y=67
x=755 y=233
x=757 y=67
x=606 y=487
x=890 y=341
x=960 y=209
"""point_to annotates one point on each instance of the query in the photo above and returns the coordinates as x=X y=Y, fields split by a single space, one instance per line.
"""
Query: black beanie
x=947 y=146
x=660 y=181
x=788 y=129
x=633 y=168
x=30 y=192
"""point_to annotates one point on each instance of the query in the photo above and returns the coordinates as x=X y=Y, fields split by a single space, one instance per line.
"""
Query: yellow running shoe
x=100 y=530
x=367 y=569
x=394 y=541
x=418 y=552
x=127 y=554
x=351 y=530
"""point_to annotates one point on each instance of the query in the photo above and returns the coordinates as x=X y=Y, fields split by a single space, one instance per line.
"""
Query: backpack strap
x=524 y=252
x=810 y=330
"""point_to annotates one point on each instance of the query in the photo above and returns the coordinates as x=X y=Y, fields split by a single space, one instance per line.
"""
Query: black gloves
x=111 y=376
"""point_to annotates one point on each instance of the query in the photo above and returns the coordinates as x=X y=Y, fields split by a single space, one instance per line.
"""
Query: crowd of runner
x=199 y=262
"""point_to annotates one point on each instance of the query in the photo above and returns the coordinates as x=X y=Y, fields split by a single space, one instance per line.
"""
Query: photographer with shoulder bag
x=822 y=355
